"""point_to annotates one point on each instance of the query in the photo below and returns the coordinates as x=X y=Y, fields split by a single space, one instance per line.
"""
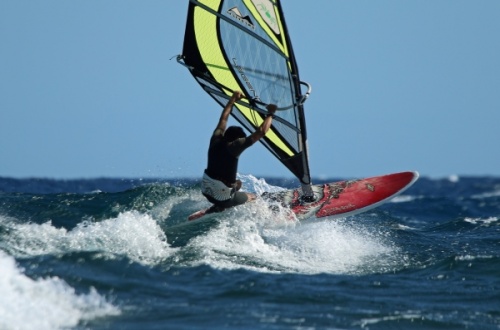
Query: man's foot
x=215 y=209
x=306 y=199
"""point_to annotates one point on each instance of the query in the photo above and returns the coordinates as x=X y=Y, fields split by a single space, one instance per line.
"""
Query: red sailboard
x=340 y=199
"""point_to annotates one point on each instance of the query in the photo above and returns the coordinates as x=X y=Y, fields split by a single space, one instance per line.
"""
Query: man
x=219 y=184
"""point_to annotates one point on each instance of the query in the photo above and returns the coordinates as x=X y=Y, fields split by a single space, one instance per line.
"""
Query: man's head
x=234 y=132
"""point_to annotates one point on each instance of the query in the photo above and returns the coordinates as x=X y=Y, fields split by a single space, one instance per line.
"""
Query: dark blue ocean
x=112 y=254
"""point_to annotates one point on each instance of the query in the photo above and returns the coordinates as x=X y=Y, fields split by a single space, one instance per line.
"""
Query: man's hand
x=271 y=108
x=237 y=95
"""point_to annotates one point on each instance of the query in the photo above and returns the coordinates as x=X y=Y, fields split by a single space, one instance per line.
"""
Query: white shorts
x=216 y=189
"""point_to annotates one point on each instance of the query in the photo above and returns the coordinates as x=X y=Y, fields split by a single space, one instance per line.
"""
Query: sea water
x=115 y=254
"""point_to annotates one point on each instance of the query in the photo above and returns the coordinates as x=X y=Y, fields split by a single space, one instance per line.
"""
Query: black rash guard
x=223 y=157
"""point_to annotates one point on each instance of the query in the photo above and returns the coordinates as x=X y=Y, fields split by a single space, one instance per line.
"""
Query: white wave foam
x=252 y=237
x=190 y=200
x=469 y=257
x=257 y=186
x=403 y=199
x=481 y=222
x=485 y=195
x=398 y=316
x=48 y=303
x=133 y=234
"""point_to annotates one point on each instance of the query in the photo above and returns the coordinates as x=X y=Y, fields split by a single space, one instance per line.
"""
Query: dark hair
x=234 y=132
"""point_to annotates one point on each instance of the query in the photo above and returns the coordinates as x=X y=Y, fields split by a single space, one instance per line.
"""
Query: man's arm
x=237 y=95
x=265 y=126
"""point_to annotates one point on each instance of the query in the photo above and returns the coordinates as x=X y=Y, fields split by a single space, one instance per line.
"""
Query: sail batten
x=244 y=45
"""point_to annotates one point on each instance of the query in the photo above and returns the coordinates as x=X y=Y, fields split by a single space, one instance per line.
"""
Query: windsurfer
x=219 y=184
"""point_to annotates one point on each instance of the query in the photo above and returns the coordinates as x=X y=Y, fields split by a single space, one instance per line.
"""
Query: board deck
x=340 y=199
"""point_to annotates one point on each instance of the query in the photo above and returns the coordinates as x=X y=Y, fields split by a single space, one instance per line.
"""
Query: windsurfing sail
x=244 y=45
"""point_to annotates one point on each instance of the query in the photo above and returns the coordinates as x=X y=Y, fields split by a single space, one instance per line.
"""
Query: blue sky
x=87 y=89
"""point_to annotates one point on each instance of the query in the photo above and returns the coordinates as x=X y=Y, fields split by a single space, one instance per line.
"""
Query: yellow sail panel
x=208 y=44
